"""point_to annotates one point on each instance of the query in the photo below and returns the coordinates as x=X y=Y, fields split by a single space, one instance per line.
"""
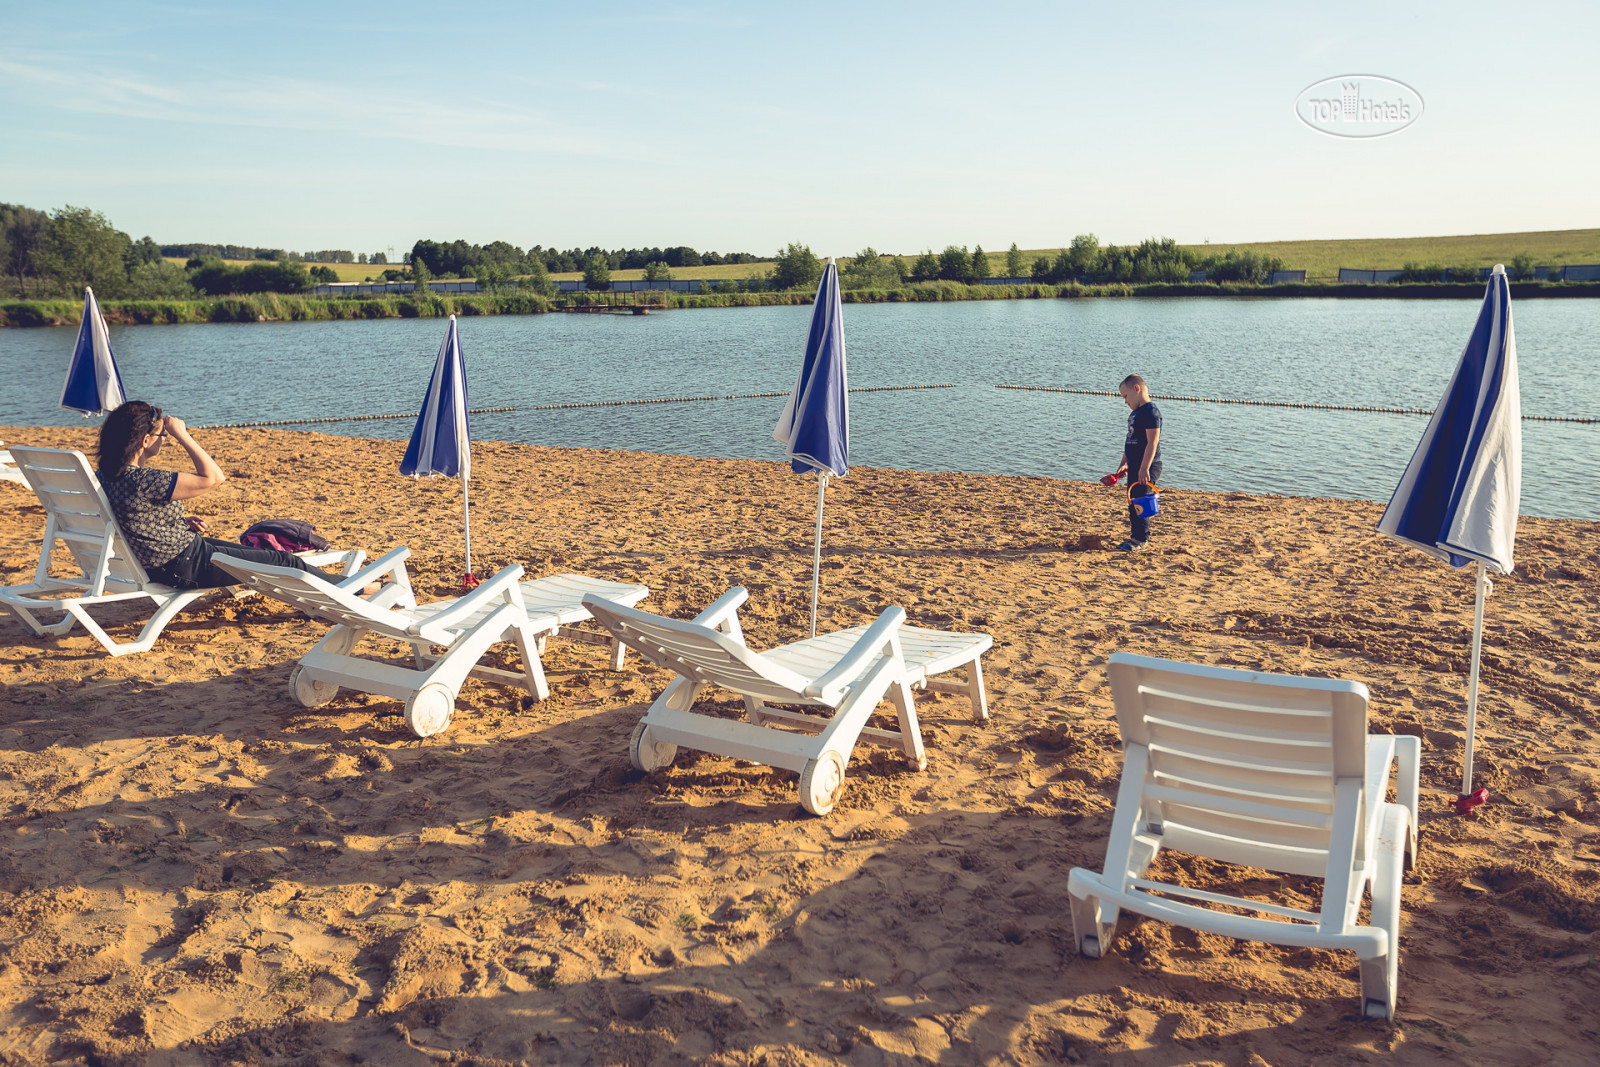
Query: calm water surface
x=1389 y=353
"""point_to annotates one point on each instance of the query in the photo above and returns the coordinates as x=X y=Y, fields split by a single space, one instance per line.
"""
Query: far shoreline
x=276 y=307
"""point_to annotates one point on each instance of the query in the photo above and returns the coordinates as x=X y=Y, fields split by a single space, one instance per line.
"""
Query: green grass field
x=1320 y=259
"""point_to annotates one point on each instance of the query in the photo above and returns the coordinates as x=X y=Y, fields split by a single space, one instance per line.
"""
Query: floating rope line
x=731 y=396
x=557 y=407
x=332 y=418
x=1277 y=403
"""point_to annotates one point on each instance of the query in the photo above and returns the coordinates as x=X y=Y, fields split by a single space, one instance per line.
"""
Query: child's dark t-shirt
x=1144 y=417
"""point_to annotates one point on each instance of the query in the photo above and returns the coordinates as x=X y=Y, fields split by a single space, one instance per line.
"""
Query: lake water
x=1385 y=353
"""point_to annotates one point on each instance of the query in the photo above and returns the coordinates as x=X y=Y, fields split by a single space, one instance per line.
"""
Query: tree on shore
x=955 y=265
x=82 y=248
x=597 y=271
x=980 y=264
x=869 y=270
x=537 y=280
x=1015 y=267
x=926 y=267
x=1084 y=255
x=657 y=272
x=22 y=231
x=491 y=276
x=797 y=267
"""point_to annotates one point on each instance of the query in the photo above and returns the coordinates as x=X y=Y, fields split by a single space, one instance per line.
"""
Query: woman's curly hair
x=123 y=434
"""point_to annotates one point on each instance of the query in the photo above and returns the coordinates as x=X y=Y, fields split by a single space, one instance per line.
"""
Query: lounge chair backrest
x=1243 y=767
x=77 y=512
x=700 y=652
x=316 y=597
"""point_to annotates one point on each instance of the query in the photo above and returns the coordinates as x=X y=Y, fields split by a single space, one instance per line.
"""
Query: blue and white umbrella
x=93 y=385
x=441 y=442
x=1458 y=498
x=815 y=426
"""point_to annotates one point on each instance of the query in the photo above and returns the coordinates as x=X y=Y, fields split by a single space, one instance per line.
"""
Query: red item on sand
x=470 y=581
x=1467 y=801
x=1111 y=479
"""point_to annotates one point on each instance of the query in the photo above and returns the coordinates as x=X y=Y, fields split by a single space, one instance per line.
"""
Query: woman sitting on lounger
x=148 y=502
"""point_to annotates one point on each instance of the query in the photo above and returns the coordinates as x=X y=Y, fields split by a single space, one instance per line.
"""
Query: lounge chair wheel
x=821 y=783
x=308 y=691
x=429 y=709
x=648 y=754
x=1090 y=947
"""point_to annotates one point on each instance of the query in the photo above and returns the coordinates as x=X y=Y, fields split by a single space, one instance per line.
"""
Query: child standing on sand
x=1141 y=456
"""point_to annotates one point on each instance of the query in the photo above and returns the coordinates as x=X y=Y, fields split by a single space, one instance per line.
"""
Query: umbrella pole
x=816 y=558
x=466 y=519
x=1472 y=684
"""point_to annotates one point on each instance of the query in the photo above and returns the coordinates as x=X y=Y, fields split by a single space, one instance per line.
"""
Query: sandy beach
x=198 y=870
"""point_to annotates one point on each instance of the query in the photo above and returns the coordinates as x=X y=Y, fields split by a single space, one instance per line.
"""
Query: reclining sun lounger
x=848 y=673
x=1261 y=770
x=79 y=516
x=8 y=467
x=501 y=609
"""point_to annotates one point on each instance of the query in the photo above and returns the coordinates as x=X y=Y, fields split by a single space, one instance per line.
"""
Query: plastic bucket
x=1145 y=506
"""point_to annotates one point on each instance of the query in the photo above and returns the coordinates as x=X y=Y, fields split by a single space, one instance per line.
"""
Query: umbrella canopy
x=441 y=442
x=815 y=425
x=1458 y=498
x=93 y=385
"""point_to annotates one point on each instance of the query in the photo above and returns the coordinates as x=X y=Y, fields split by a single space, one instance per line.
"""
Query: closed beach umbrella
x=94 y=385
x=815 y=426
x=1458 y=498
x=441 y=442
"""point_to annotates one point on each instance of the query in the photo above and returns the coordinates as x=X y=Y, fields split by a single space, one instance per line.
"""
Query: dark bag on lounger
x=285 y=535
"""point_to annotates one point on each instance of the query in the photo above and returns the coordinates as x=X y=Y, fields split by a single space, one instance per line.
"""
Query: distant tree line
x=460 y=259
x=55 y=254
x=249 y=252
x=1151 y=260
x=201 y=251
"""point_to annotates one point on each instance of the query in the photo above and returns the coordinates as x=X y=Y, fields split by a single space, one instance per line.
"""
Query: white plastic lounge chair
x=501 y=609
x=79 y=516
x=1263 y=770
x=848 y=672
x=8 y=467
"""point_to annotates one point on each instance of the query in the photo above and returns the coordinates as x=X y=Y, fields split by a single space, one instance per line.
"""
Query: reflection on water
x=1388 y=353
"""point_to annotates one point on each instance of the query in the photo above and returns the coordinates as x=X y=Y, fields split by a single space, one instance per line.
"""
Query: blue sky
x=744 y=126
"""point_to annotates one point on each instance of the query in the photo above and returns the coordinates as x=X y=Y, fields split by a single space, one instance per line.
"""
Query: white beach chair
x=848 y=672
x=78 y=515
x=1263 y=770
x=501 y=609
x=8 y=467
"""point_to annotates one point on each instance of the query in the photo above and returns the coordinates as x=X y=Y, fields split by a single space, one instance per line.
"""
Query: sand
x=198 y=870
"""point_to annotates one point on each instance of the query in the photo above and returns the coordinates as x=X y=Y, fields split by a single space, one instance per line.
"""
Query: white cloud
x=321 y=107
